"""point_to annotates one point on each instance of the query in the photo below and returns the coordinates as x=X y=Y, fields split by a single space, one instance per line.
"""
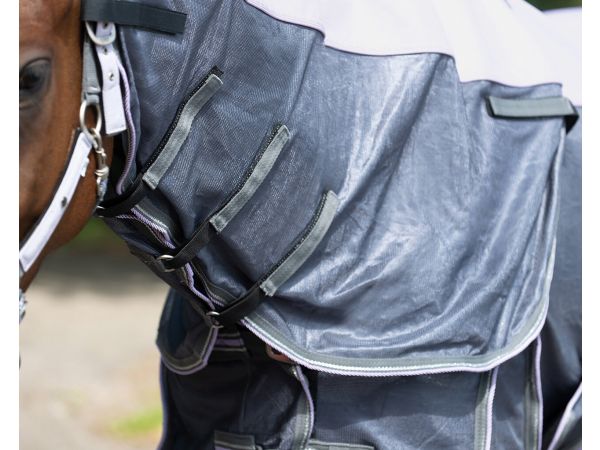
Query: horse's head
x=50 y=80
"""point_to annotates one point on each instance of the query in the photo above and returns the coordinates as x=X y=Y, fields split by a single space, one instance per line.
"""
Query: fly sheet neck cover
x=364 y=214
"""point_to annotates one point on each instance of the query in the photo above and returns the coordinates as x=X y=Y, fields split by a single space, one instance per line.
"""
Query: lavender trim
x=490 y=409
x=538 y=390
x=130 y=128
x=385 y=373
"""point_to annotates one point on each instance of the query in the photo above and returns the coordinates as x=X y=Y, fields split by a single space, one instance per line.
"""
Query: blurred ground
x=89 y=372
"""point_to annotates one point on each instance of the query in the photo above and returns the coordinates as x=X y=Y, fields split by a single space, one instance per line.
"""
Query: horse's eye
x=33 y=78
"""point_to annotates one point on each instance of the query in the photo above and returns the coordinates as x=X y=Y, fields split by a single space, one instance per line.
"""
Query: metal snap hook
x=102 y=170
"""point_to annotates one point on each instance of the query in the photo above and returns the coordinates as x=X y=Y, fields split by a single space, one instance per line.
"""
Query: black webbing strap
x=231 y=314
x=123 y=205
x=241 y=307
x=200 y=238
x=134 y=14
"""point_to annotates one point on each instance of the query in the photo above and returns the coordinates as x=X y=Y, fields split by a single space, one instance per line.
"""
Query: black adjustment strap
x=286 y=267
x=134 y=14
x=201 y=237
x=240 y=308
x=123 y=205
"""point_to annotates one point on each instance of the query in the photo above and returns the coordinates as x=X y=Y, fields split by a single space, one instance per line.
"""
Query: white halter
x=86 y=139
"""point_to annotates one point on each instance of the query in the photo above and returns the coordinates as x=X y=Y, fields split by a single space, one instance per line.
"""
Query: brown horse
x=50 y=74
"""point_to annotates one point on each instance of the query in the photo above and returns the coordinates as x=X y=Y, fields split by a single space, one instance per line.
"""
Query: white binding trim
x=507 y=41
x=112 y=97
x=39 y=237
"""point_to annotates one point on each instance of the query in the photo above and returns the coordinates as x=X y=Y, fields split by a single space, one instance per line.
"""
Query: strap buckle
x=213 y=316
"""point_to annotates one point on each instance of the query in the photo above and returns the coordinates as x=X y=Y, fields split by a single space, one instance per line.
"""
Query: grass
x=95 y=235
x=139 y=424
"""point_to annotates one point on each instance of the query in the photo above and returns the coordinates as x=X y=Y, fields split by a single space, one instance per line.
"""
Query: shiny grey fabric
x=422 y=171
x=436 y=269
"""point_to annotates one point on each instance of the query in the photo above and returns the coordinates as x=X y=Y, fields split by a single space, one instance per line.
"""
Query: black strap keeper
x=134 y=14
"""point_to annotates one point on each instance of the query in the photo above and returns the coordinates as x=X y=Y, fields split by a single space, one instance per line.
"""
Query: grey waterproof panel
x=255 y=178
x=181 y=130
x=446 y=216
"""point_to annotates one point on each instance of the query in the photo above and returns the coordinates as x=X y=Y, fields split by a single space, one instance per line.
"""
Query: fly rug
x=356 y=205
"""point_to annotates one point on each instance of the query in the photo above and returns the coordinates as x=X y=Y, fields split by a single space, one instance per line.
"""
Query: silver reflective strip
x=293 y=262
x=232 y=441
x=314 y=444
x=531 y=107
x=193 y=106
x=257 y=176
x=484 y=408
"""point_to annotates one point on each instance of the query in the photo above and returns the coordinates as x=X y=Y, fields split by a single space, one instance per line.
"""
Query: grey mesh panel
x=422 y=412
x=181 y=131
x=305 y=248
x=254 y=180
